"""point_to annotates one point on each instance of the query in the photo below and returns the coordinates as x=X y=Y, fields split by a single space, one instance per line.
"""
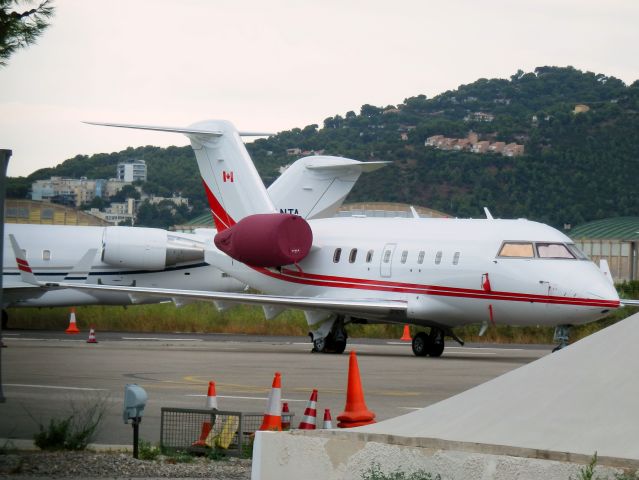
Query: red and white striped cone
x=328 y=421
x=273 y=416
x=310 y=414
x=286 y=417
x=92 y=338
x=211 y=397
x=73 y=326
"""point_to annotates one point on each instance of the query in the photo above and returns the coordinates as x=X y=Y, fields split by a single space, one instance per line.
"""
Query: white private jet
x=434 y=273
x=312 y=187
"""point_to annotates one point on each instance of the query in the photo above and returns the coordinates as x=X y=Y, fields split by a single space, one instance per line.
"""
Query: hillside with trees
x=576 y=166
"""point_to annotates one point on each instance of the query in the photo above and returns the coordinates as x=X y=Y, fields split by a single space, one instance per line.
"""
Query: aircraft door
x=386 y=260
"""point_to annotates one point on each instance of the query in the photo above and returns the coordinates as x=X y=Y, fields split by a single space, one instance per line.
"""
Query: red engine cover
x=267 y=240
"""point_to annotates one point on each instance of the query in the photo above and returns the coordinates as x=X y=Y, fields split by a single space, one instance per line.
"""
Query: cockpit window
x=574 y=249
x=516 y=249
x=553 y=250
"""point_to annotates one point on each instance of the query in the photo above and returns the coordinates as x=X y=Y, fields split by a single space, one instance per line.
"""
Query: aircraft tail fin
x=233 y=187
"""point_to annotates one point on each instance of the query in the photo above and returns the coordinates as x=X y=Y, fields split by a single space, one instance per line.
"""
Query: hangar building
x=616 y=240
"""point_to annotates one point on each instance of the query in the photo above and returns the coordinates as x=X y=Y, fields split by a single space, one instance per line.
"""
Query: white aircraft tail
x=233 y=187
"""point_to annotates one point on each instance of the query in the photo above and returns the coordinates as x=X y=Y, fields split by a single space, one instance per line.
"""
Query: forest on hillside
x=577 y=167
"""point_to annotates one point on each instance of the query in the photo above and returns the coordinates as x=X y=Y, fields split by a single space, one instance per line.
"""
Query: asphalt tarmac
x=47 y=375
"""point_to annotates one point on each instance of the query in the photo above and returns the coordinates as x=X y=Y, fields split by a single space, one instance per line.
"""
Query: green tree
x=20 y=28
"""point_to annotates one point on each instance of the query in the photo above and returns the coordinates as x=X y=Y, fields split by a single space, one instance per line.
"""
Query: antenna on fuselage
x=414 y=212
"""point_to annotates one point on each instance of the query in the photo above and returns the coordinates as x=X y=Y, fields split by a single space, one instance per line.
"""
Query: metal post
x=5 y=155
x=136 y=432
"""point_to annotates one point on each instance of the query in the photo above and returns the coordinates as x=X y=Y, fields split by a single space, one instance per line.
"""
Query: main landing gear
x=431 y=344
x=334 y=341
x=561 y=336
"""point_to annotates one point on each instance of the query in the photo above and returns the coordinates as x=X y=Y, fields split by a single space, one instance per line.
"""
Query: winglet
x=83 y=267
x=26 y=274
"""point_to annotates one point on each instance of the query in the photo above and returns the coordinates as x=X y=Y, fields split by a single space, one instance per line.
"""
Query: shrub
x=73 y=432
x=375 y=473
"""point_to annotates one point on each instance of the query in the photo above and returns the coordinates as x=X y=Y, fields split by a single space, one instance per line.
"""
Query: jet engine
x=267 y=240
x=147 y=248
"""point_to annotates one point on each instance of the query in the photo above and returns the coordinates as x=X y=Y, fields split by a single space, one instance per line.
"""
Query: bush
x=73 y=432
x=148 y=451
x=375 y=473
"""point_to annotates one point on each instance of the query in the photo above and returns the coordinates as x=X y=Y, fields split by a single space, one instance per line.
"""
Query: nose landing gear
x=561 y=336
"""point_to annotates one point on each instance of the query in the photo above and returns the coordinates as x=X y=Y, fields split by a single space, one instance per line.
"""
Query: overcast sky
x=273 y=65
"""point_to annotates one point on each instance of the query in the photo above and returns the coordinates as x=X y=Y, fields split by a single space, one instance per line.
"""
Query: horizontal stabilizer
x=185 y=131
x=629 y=303
x=325 y=163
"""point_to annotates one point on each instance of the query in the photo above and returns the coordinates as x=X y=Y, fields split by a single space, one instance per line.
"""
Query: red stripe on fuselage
x=221 y=219
x=306 y=278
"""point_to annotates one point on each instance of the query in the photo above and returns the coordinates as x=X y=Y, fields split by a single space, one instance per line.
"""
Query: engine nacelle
x=267 y=240
x=147 y=248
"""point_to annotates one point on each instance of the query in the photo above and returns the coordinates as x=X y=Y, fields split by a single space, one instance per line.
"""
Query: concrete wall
x=344 y=455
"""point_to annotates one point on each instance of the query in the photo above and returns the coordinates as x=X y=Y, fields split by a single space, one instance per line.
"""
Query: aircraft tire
x=435 y=342
x=420 y=344
x=436 y=349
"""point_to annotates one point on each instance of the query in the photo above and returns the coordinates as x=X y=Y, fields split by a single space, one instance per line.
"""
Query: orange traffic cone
x=73 y=327
x=328 y=421
x=92 y=338
x=310 y=413
x=406 y=335
x=286 y=417
x=211 y=397
x=206 y=429
x=355 y=412
x=273 y=416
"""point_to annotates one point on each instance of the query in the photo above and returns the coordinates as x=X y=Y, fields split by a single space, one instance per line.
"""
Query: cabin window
x=438 y=257
x=420 y=257
x=369 y=256
x=387 y=255
x=336 y=255
x=456 y=258
x=46 y=254
x=404 y=256
x=352 y=256
x=553 y=250
x=516 y=249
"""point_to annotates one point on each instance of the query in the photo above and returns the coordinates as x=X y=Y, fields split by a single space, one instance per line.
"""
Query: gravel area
x=77 y=465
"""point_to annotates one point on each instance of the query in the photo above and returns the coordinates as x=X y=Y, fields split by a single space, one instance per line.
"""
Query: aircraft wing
x=368 y=307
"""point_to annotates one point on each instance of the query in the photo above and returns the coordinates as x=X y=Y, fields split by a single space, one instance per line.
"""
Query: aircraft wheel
x=319 y=345
x=339 y=346
x=436 y=349
x=420 y=344
x=436 y=343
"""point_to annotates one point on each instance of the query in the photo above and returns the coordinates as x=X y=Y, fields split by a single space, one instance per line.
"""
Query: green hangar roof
x=620 y=228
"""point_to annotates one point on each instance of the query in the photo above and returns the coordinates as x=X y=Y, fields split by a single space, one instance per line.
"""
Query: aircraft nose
x=601 y=288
